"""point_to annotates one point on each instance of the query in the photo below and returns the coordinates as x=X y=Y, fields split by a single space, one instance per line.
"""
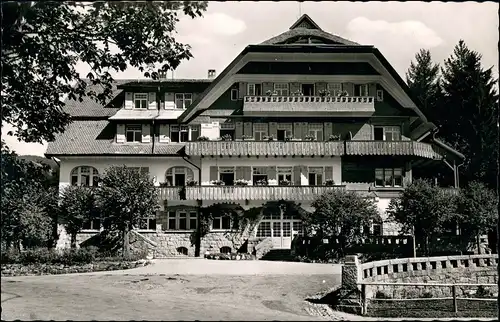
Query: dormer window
x=133 y=132
x=183 y=100
x=141 y=100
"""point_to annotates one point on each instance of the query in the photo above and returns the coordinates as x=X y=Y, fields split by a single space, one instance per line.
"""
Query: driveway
x=176 y=289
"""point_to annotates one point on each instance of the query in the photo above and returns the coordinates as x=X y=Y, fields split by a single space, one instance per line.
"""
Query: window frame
x=322 y=174
x=254 y=91
x=221 y=220
x=172 y=171
x=139 y=99
x=315 y=128
x=380 y=95
x=363 y=89
x=389 y=171
x=184 y=98
x=235 y=94
x=92 y=224
x=134 y=129
x=334 y=92
x=280 y=171
x=177 y=219
x=388 y=129
x=282 y=90
x=77 y=172
x=148 y=224
x=263 y=132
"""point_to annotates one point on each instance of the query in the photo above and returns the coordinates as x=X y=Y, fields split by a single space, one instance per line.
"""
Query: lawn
x=160 y=297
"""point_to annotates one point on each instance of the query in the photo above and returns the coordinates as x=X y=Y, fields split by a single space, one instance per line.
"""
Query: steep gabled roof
x=306 y=28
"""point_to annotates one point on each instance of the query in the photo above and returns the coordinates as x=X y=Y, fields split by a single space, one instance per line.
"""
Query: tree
x=468 y=116
x=423 y=80
x=77 y=207
x=43 y=41
x=126 y=199
x=478 y=209
x=425 y=211
x=343 y=215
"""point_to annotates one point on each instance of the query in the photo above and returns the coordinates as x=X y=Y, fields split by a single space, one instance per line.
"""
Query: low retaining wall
x=469 y=269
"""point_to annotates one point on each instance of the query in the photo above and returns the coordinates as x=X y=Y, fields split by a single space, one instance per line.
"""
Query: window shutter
x=169 y=101
x=152 y=101
x=305 y=130
x=247 y=130
x=164 y=133
x=129 y=101
x=214 y=171
x=238 y=130
x=349 y=87
x=297 y=175
x=239 y=173
x=319 y=87
x=328 y=173
x=328 y=130
x=243 y=89
x=271 y=173
x=247 y=173
x=273 y=129
x=372 y=89
x=120 y=133
x=146 y=133
x=297 y=130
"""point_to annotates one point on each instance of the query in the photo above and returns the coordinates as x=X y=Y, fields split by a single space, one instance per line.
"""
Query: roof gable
x=305 y=22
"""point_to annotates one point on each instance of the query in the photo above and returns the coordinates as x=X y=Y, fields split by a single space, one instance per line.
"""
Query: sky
x=397 y=29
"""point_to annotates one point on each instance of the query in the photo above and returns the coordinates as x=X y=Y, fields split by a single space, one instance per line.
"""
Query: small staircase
x=279 y=255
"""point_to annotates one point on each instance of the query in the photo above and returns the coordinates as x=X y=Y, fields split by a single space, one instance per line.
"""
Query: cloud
x=404 y=32
x=212 y=24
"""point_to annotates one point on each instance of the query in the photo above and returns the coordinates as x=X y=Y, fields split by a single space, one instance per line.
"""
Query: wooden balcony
x=348 y=105
x=264 y=148
x=230 y=193
x=408 y=148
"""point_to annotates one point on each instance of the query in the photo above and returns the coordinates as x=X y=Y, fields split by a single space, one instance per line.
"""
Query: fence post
x=454 y=294
x=364 y=301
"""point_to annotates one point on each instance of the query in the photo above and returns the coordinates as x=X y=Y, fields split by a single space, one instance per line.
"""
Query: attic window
x=141 y=100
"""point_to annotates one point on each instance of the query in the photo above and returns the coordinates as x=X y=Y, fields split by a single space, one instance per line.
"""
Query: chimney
x=211 y=73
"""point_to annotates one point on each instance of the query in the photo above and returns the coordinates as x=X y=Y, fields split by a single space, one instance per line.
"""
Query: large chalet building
x=299 y=114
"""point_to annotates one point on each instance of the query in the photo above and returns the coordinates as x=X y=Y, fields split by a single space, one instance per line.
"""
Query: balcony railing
x=410 y=148
x=303 y=193
x=346 y=104
x=265 y=148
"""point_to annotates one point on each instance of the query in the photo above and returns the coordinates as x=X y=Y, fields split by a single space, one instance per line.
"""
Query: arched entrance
x=281 y=223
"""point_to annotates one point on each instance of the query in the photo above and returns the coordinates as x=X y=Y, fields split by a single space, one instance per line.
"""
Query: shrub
x=203 y=138
x=227 y=137
x=241 y=182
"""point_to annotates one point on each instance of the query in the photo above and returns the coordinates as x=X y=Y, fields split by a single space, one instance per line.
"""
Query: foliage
x=126 y=198
x=309 y=138
x=334 y=137
x=329 y=182
x=341 y=214
x=227 y=137
x=43 y=41
x=241 y=182
x=217 y=182
x=425 y=210
x=78 y=205
x=203 y=138
x=191 y=183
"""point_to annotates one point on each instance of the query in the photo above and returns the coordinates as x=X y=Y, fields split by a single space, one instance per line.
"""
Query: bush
x=382 y=295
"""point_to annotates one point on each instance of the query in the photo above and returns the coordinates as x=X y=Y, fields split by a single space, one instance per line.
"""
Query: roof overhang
x=390 y=79
x=126 y=115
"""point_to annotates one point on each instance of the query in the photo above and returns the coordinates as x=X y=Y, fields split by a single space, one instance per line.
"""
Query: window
x=389 y=177
x=316 y=130
x=254 y=89
x=133 y=132
x=316 y=176
x=227 y=129
x=225 y=250
x=259 y=131
x=226 y=174
x=284 y=173
x=259 y=173
x=387 y=133
x=94 y=224
x=141 y=100
x=182 y=220
x=195 y=132
x=307 y=89
x=84 y=176
x=281 y=88
x=377 y=230
x=182 y=251
x=380 y=95
x=177 y=176
x=234 y=94
x=334 y=88
x=179 y=133
x=361 y=90
x=264 y=229
x=221 y=222
x=183 y=100
x=284 y=131
x=148 y=224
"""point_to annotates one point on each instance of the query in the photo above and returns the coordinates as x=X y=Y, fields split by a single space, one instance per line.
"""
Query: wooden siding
x=409 y=148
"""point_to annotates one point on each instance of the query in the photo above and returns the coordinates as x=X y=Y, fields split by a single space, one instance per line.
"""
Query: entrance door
x=308 y=89
x=281 y=228
x=179 y=179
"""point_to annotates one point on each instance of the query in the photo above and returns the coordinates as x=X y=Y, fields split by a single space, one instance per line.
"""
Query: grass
x=433 y=309
x=160 y=297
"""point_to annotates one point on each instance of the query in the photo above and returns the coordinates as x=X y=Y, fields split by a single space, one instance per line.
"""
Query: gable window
x=254 y=89
x=141 y=100
x=179 y=133
x=284 y=131
x=281 y=88
x=284 y=174
x=221 y=222
x=315 y=176
x=361 y=90
x=182 y=220
x=316 y=130
x=84 y=176
x=259 y=131
x=234 y=94
x=334 y=88
x=133 y=132
x=387 y=133
x=389 y=177
x=183 y=100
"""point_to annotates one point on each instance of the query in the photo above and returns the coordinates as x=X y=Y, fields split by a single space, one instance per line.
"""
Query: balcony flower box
x=262 y=182
x=334 y=137
x=268 y=138
x=324 y=93
x=309 y=138
x=329 y=182
x=203 y=138
x=285 y=183
x=241 y=182
x=343 y=94
x=191 y=183
x=217 y=182
x=272 y=93
x=247 y=138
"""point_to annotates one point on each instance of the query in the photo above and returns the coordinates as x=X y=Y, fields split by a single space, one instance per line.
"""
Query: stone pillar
x=351 y=273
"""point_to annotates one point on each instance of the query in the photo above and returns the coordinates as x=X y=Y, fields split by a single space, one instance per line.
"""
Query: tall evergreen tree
x=423 y=79
x=468 y=115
